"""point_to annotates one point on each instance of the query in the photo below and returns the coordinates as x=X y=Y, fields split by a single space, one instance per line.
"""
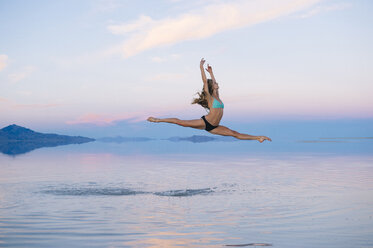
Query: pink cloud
x=104 y=120
x=3 y=99
x=131 y=117
x=21 y=74
x=3 y=61
x=146 y=33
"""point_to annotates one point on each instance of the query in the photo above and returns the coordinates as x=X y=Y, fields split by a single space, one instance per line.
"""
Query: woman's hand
x=202 y=62
x=203 y=74
x=209 y=68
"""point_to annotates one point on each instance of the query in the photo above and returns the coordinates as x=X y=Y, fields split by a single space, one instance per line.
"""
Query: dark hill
x=17 y=140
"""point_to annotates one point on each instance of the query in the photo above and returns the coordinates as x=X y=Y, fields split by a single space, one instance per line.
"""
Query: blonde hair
x=202 y=96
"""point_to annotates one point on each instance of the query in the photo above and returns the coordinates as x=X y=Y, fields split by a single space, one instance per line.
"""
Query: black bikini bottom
x=209 y=127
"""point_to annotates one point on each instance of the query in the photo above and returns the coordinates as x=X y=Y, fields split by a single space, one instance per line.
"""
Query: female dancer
x=209 y=99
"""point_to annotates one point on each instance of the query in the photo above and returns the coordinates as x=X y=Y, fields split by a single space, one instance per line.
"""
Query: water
x=88 y=196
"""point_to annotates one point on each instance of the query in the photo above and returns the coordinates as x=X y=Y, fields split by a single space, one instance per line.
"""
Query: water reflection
x=22 y=147
x=16 y=140
x=171 y=239
x=109 y=200
x=200 y=145
x=119 y=191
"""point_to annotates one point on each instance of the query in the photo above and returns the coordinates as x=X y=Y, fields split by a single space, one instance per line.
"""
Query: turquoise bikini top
x=217 y=104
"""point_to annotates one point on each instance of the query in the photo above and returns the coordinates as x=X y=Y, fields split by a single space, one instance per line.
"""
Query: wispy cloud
x=326 y=8
x=136 y=25
x=22 y=74
x=3 y=61
x=146 y=33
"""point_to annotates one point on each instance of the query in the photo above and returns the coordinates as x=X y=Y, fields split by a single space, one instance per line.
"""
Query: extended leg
x=198 y=124
x=222 y=130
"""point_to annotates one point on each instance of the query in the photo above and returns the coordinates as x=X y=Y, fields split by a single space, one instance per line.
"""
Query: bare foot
x=152 y=119
x=263 y=138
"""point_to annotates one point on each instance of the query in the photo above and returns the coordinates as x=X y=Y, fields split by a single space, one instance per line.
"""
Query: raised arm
x=203 y=74
x=209 y=69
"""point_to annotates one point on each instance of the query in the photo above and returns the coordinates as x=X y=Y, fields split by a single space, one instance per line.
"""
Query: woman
x=209 y=99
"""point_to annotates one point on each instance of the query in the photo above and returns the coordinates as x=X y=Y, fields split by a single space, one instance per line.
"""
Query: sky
x=105 y=63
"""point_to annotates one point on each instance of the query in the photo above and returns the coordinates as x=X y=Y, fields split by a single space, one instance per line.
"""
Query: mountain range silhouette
x=16 y=140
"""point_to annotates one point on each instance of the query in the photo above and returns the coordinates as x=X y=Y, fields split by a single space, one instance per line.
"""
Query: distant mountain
x=17 y=140
x=120 y=139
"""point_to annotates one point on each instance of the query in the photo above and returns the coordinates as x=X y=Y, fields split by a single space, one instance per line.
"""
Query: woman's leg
x=198 y=124
x=222 y=130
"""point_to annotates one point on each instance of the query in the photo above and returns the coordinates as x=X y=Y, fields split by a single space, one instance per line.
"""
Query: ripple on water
x=185 y=192
x=113 y=191
x=83 y=191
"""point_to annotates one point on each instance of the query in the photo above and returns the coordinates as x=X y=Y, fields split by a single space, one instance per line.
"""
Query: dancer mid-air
x=209 y=99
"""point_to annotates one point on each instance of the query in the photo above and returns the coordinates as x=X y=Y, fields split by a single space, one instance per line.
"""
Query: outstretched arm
x=203 y=74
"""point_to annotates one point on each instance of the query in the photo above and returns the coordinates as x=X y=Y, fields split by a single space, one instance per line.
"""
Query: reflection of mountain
x=202 y=139
x=194 y=139
x=120 y=139
x=17 y=140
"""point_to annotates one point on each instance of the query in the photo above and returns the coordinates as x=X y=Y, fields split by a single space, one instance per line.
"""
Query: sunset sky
x=68 y=63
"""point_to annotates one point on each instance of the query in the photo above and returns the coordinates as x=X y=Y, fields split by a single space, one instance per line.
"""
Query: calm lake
x=180 y=194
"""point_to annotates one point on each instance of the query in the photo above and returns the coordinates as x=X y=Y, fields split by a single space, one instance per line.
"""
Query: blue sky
x=105 y=63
